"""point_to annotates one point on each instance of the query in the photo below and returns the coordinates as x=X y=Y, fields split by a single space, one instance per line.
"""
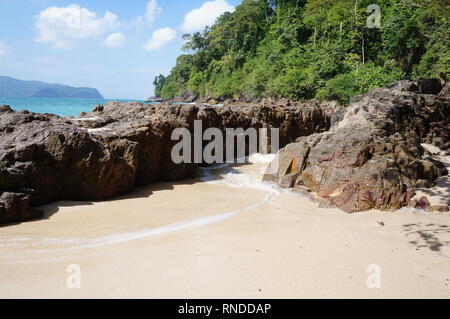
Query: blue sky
x=116 y=46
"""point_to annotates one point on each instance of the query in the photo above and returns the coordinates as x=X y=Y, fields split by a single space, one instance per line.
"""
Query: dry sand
x=226 y=236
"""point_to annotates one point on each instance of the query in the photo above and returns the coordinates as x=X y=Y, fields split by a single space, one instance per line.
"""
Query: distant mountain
x=11 y=88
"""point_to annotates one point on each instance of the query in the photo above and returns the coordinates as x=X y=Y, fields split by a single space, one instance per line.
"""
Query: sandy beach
x=225 y=235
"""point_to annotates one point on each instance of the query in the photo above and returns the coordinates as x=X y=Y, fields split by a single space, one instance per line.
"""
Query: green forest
x=305 y=49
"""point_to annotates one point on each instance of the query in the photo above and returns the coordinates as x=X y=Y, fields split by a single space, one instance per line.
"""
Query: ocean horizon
x=59 y=106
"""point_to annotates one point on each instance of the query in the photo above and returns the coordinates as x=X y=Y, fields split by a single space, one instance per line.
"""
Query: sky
x=116 y=46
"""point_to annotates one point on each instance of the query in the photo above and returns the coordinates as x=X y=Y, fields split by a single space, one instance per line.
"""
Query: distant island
x=13 y=88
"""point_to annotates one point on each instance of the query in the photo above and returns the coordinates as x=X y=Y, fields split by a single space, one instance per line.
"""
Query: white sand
x=233 y=237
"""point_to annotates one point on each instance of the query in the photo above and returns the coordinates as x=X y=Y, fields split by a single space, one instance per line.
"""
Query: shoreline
x=286 y=247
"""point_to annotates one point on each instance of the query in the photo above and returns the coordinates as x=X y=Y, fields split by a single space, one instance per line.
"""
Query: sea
x=61 y=107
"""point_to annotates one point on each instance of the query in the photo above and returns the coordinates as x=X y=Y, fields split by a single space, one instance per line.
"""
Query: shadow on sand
x=212 y=173
x=430 y=236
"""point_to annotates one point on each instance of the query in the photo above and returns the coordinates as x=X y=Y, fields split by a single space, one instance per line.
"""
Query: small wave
x=83 y=243
x=262 y=158
x=229 y=177
x=244 y=181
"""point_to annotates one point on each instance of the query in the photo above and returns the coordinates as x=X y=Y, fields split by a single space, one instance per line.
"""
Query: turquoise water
x=62 y=107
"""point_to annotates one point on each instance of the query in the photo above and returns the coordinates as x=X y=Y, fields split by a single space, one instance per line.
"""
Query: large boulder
x=15 y=207
x=373 y=158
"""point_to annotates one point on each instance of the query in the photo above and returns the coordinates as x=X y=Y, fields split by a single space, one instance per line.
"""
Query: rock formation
x=368 y=156
x=373 y=158
x=44 y=158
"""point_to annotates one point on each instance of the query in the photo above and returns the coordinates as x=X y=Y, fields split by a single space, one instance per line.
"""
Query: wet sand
x=226 y=235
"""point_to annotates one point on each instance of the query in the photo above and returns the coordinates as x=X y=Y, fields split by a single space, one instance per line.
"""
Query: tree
x=159 y=82
x=303 y=49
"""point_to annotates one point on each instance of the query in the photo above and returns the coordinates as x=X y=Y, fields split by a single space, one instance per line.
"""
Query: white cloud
x=160 y=39
x=64 y=27
x=115 y=40
x=150 y=14
x=206 y=15
x=152 y=10
x=2 y=49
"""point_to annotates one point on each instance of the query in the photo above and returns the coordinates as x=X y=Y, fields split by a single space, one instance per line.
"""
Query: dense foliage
x=302 y=49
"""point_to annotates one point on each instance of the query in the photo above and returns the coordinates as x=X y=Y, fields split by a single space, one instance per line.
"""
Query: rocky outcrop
x=367 y=156
x=373 y=158
x=44 y=158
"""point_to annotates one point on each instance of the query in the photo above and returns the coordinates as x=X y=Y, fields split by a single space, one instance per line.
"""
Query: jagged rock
x=440 y=208
x=15 y=207
x=288 y=181
x=430 y=86
x=424 y=204
x=337 y=116
x=413 y=203
x=186 y=97
x=5 y=108
x=99 y=108
x=404 y=86
x=373 y=158
x=445 y=90
x=106 y=153
x=424 y=184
